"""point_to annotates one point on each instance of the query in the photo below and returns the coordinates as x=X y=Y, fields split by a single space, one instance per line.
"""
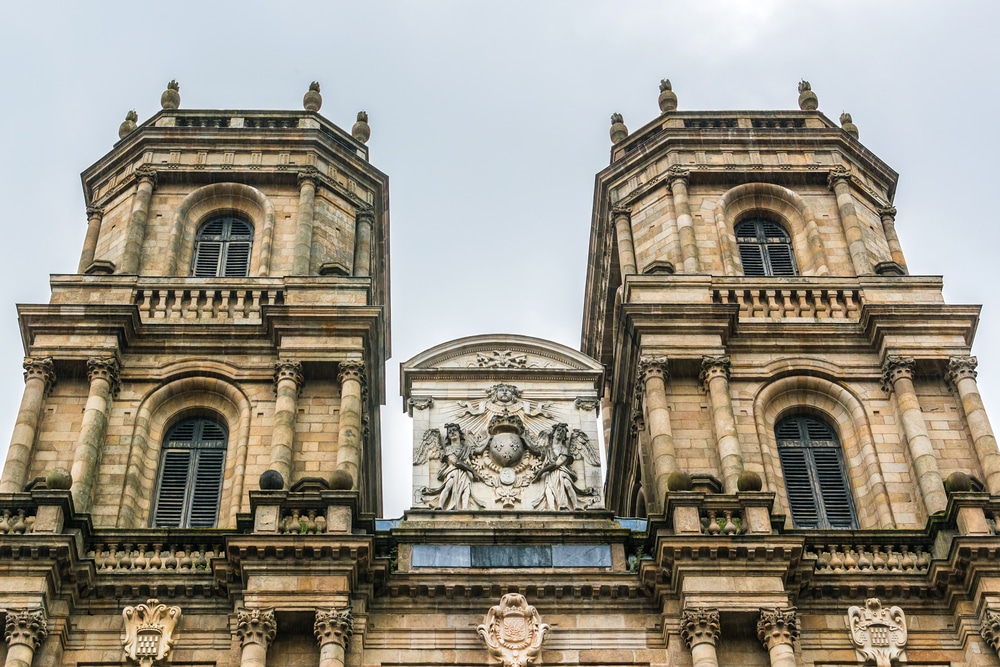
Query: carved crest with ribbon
x=149 y=632
x=513 y=631
x=878 y=633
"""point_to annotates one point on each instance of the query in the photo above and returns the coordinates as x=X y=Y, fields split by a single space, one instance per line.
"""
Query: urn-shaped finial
x=618 y=129
x=847 y=123
x=171 y=97
x=312 y=100
x=361 y=131
x=807 y=98
x=128 y=125
x=668 y=98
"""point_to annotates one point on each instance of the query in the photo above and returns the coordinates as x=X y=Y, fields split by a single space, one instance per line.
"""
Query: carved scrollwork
x=700 y=625
x=586 y=403
x=256 y=626
x=989 y=628
x=423 y=403
x=95 y=212
x=334 y=625
x=621 y=210
x=777 y=626
x=878 y=633
x=513 y=631
x=26 y=626
x=149 y=632
x=501 y=359
x=365 y=213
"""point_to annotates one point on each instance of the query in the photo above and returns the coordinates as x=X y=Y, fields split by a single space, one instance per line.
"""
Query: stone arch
x=221 y=198
x=172 y=401
x=807 y=391
x=742 y=200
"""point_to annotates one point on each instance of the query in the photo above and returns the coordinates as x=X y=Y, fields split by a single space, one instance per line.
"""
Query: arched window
x=765 y=248
x=222 y=248
x=191 y=470
x=813 y=465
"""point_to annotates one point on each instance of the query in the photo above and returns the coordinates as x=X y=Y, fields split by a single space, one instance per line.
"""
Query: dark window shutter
x=781 y=260
x=752 y=260
x=765 y=248
x=799 y=486
x=192 y=469
x=206 y=261
x=223 y=248
x=833 y=486
x=237 y=260
x=207 y=488
x=172 y=495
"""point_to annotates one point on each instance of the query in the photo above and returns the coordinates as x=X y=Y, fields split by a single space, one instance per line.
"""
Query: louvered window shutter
x=765 y=248
x=191 y=475
x=223 y=249
x=819 y=495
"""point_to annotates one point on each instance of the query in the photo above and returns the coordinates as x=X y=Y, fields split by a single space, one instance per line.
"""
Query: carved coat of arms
x=878 y=633
x=149 y=632
x=513 y=631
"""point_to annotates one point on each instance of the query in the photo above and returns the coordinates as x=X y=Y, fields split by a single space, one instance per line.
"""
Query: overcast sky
x=491 y=120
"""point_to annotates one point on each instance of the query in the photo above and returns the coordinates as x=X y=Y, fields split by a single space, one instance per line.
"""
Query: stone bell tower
x=229 y=318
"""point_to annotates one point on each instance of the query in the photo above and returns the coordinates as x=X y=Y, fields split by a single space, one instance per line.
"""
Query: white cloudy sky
x=491 y=120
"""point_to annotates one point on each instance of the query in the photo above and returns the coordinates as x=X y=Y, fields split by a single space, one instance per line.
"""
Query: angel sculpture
x=456 y=475
x=558 y=449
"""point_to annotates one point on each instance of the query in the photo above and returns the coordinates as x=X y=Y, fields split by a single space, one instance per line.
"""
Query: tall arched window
x=813 y=465
x=191 y=470
x=765 y=248
x=222 y=248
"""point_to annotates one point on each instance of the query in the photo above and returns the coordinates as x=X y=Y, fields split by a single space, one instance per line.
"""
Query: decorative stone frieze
x=256 y=626
x=777 y=626
x=896 y=367
x=989 y=628
x=41 y=368
x=878 y=633
x=501 y=359
x=334 y=625
x=513 y=631
x=27 y=627
x=149 y=632
x=700 y=625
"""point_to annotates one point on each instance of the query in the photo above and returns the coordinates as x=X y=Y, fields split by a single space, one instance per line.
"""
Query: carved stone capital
x=650 y=367
x=620 y=211
x=887 y=212
x=878 y=633
x=145 y=173
x=838 y=173
x=104 y=368
x=777 y=626
x=678 y=173
x=41 y=368
x=713 y=367
x=586 y=403
x=256 y=626
x=26 y=626
x=365 y=213
x=286 y=369
x=513 y=631
x=989 y=628
x=960 y=368
x=148 y=634
x=307 y=174
x=334 y=625
x=351 y=370
x=95 y=212
x=700 y=625
x=894 y=368
x=420 y=403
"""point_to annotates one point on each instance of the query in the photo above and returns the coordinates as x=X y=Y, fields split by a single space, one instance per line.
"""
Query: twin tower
x=798 y=461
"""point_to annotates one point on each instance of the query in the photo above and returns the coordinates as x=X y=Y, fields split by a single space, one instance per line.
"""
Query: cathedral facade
x=798 y=466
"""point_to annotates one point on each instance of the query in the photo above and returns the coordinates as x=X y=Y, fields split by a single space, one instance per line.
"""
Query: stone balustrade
x=719 y=515
x=806 y=301
x=901 y=558
x=184 y=558
x=220 y=302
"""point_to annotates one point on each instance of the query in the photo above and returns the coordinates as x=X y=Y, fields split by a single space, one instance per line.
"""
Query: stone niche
x=504 y=423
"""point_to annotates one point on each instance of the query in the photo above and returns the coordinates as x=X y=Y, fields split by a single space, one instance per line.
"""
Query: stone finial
x=312 y=100
x=171 y=97
x=807 y=98
x=618 y=130
x=777 y=626
x=148 y=634
x=700 y=625
x=668 y=98
x=513 y=631
x=26 y=626
x=128 y=125
x=256 y=626
x=847 y=124
x=878 y=633
x=334 y=625
x=361 y=131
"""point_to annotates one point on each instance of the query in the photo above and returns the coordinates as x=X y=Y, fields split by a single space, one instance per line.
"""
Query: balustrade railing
x=205 y=302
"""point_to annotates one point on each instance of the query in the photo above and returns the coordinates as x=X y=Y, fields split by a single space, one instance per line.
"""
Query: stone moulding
x=513 y=631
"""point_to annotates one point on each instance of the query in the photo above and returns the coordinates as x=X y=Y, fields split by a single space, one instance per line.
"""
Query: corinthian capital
x=334 y=625
x=365 y=213
x=678 y=173
x=887 y=212
x=286 y=369
x=104 y=368
x=146 y=173
x=95 y=212
x=894 y=368
x=838 y=173
x=960 y=368
x=26 y=626
x=713 y=367
x=256 y=626
x=41 y=368
x=351 y=370
x=700 y=625
x=989 y=628
x=308 y=174
x=651 y=367
x=619 y=210
x=777 y=626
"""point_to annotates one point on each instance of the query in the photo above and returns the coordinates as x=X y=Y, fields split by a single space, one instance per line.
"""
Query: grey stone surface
x=440 y=555
x=581 y=555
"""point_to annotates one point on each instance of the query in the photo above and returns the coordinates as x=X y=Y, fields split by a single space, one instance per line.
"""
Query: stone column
x=962 y=376
x=777 y=629
x=622 y=218
x=678 y=179
x=888 y=215
x=653 y=376
x=715 y=379
x=94 y=217
x=897 y=375
x=700 y=631
x=136 y=233
x=304 y=225
x=333 y=629
x=840 y=182
x=351 y=376
x=288 y=381
x=363 y=221
x=103 y=375
x=255 y=628
x=25 y=630
x=39 y=377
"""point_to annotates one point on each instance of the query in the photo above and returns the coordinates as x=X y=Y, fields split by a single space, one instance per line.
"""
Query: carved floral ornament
x=700 y=625
x=42 y=368
x=989 y=628
x=895 y=368
x=878 y=633
x=334 y=625
x=256 y=626
x=149 y=632
x=777 y=626
x=513 y=631
x=960 y=368
x=26 y=626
